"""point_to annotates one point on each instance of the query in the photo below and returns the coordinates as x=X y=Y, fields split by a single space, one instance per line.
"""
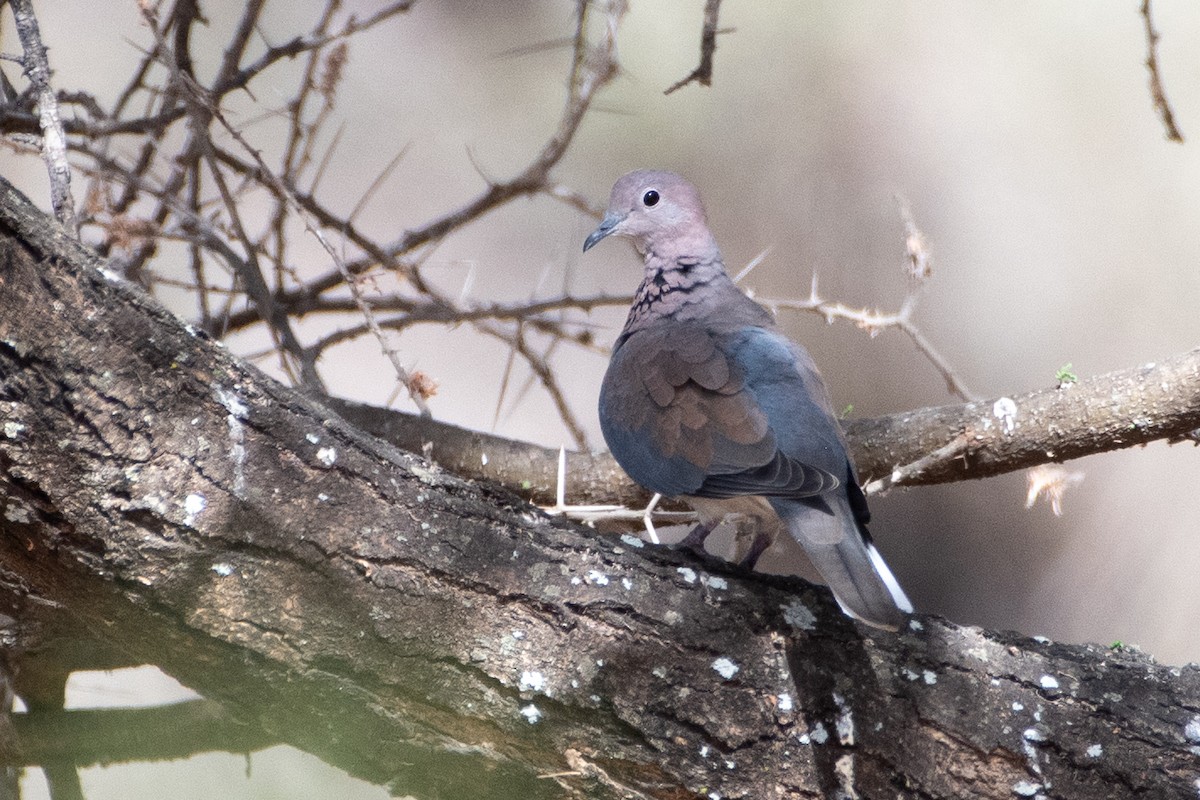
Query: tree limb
x=174 y=498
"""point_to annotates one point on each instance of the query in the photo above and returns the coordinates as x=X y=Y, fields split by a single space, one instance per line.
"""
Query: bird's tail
x=841 y=550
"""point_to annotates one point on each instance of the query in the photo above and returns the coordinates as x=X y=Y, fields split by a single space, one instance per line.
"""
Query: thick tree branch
x=171 y=496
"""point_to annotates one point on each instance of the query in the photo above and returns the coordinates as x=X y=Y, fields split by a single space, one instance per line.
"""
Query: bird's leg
x=758 y=546
x=752 y=536
x=694 y=541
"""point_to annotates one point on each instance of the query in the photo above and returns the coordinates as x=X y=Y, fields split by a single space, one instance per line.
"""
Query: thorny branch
x=53 y=140
x=169 y=170
x=1156 y=88
x=166 y=167
x=702 y=74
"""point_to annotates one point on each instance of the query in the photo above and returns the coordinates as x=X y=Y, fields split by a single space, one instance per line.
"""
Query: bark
x=443 y=637
x=1113 y=411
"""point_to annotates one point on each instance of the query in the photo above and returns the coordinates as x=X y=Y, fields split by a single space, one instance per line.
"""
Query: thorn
x=754 y=262
x=650 y=531
x=561 y=493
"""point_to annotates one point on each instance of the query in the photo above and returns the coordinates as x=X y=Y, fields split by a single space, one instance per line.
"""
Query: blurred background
x=1062 y=223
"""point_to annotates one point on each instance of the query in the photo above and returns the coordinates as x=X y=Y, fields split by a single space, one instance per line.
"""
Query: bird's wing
x=690 y=410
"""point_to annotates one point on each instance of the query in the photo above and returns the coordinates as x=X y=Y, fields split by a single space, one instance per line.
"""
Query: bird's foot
x=694 y=541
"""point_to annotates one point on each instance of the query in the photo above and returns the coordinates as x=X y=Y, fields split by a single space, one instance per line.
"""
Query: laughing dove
x=705 y=399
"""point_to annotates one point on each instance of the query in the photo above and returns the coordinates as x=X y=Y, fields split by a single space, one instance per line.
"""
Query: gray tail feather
x=843 y=553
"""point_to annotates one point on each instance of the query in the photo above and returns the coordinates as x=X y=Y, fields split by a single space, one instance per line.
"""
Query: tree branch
x=171 y=496
x=702 y=74
x=1107 y=412
x=53 y=139
x=1156 y=88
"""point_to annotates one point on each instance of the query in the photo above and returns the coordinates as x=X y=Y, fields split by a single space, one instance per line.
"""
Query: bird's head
x=660 y=211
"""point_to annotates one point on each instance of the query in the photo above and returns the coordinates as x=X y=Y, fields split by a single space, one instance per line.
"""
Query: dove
x=705 y=399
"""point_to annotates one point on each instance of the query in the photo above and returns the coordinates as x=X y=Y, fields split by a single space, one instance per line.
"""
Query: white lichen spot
x=844 y=768
x=576 y=580
x=726 y=668
x=909 y=674
x=1095 y=751
x=532 y=714
x=327 y=456
x=322 y=497
x=518 y=635
x=312 y=438
x=632 y=541
x=785 y=704
x=193 y=504
x=929 y=676
x=715 y=796
x=222 y=568
x=1033 y=735
x=704 y=750
x=1026 y=788
x=819 y=734
x=1018 y=706
x=628 y=584
x=483 y=459
x=1191 y=731
x=1041 y=639
x=16 y=513
x=1005 y=410
x=237 y=412
x=672 y=617
x=798 y=616
x=660 y=673
x=13 y=429
x=979 y=653
x=804 y=738
x=597 y=578
x=689 y=574
x=232 y=403
x=916 y=625
x=155 y=502
x=714 y=582
x=532 y=681
x=844 y=724
x=1048 y=682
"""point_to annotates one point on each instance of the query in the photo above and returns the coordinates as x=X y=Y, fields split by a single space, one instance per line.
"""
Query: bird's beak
x=610 y=223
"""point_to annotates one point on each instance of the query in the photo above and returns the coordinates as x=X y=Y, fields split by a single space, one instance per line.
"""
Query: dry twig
x=1156 y=88
x=53 y=139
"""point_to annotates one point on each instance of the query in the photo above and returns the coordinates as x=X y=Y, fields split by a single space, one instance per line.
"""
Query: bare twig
x=702 y=74
x=54 y=140
x=1156 y=88
x=873 y=322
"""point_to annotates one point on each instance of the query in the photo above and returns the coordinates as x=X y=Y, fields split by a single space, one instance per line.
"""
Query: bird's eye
x=650 y=198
